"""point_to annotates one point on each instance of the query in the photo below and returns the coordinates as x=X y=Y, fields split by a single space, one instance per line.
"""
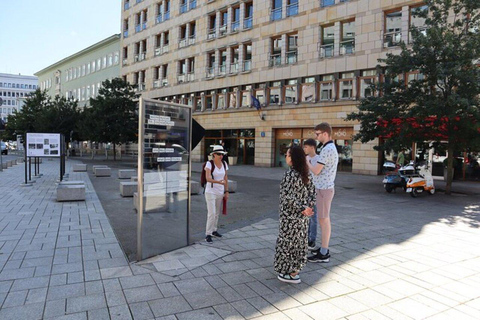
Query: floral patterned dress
x=292 y=241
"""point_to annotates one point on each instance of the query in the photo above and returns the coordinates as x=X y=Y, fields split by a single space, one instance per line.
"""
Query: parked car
x=4 y=147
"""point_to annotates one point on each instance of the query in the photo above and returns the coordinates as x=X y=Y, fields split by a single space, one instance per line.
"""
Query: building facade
x=13 y=90
x=80 y=75
x=305 y=61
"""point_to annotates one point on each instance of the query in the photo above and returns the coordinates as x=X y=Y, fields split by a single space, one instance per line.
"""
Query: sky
x=37 y=33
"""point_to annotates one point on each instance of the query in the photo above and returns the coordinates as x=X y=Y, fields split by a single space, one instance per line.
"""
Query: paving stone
x=66 y=291
x=137 y=281
x=169 y=306
x=85 y=303
x=36 y=295
x=92 y=287
x=115 y=298
x=246 y=309
x=5 y=286
x=98 y=314
x=207 y=298
x=141 y=311
x=120 y=313
x=194 y=285
x=229 y=294
x=227 y=311
x=202 y=314
x=17 y=274
x=168 y=289
x=29 y=311
x=55 y=308
x=30 y=283
x=115 y=272
x=262 y=305
x=142 y=294
x=15 y=299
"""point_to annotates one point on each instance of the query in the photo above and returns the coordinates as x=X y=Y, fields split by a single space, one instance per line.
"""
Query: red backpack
x=203 y=177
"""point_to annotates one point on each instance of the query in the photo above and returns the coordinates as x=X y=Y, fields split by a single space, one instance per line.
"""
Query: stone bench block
x=103 y=172
x=195 y=187
x=72 y=183
x=128 y=188
x=134 y=179
x=126 y=173
x=153 y=201
x=9 y=163
x=4 y=165
x=14 y=162
x=20 y=160
x=79 y=167
x=71 y=193
x=98 y=166
x=232 y=185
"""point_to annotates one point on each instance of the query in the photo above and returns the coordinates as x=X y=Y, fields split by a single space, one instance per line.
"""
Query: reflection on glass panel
x=232 y=100
x=291 y=94
x=221 y=101
x=346 y=88
x=163 y=222
x=326 y=91
x=260 y=95
x=246 y=98
x=415 y=19
x=365 y=87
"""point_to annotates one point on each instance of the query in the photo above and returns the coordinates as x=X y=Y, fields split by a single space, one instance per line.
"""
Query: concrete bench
x=71 y=193
x=157 y=201
x=72 y=183
x=79 y=167
x=9 y=163
x=20 y=160
x=134 y=179
x=103 y=172
x=14 y=162
x=195 y=187
x=98 y=166
x=4 y=165
x=128 y=188
x=232 y=186
x=126 y=173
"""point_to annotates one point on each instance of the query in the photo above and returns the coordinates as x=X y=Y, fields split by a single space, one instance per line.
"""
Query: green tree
x=442 y=104
x=113 y=114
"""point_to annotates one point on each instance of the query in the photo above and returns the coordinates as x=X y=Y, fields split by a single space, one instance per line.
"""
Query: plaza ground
x=393 y=257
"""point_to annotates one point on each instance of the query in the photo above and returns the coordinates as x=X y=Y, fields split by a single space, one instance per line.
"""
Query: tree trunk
x=448 y=189
x=114 y=154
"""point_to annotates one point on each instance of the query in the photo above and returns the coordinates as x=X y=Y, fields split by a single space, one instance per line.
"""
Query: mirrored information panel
x=163 y=177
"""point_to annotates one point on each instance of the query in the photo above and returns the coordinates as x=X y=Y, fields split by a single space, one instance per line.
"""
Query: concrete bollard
x=128 y=188
x=79 y=167
x=9 y=163
x=126 y=173
x=195 y=187
x=71 y=193
x=103 y=172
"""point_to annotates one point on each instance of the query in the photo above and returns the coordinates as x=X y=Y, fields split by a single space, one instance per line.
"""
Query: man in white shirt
x=326 y=170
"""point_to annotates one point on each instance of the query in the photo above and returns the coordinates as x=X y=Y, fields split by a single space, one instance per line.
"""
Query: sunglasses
x=319 y=133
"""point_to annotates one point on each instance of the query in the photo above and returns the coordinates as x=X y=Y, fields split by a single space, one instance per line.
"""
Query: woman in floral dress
x=297 y=198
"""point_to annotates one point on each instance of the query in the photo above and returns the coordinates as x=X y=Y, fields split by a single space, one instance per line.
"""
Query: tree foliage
x=441 y=105
x=113 y=115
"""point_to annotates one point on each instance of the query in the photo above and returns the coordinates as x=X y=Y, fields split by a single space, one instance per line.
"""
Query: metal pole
x=29 y=169
x=35 y=160
x=141 y=147
x=25 y=161
x=1 y=156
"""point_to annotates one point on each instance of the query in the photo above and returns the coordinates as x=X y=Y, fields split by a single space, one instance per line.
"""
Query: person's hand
x=308 y=158
x=308 y=212
x=226 y=195
x=222 y=182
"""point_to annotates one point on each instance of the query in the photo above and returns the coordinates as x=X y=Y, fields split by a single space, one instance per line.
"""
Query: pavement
x=393 y=257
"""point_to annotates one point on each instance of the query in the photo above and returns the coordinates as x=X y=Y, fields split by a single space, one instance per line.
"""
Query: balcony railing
x=392 y=39
x=190 y=76
x=326 y=50
x=276 y=14
x=158 y=51
x=165 y=48
x=234 y=67
x=144 y=25
x=248 y=23
x=235 y=26
x=223 y=30
x=247 y=65
x=327 y=3
x=181 y=78
x=347 y=47
x=126 y=6
x=125 y=33
x=157 y=84
x=291 y=57
x=275 y=60
x=138 y=28
x=212 y=34
x=193 y=4
x=183 y=8
x=222 y=69
x=191 y=40
x=159 y=19
x=210 y=72
x=292 y=9
x=182 y=43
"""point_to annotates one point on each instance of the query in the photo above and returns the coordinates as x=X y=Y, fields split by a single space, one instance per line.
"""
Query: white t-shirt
x=218 y=175
x=329 y=158
x=316 y=177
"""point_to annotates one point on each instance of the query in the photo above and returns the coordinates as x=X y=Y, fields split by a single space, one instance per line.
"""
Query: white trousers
x=214 y=207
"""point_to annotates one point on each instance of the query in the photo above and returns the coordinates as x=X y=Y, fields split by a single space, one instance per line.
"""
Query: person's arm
x=226 y=193
x=317 y=168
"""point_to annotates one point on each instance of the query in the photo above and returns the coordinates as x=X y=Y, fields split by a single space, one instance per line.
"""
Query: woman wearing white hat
x=215 y=190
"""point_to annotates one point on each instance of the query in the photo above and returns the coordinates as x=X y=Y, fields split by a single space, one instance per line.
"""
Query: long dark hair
x=299 y=162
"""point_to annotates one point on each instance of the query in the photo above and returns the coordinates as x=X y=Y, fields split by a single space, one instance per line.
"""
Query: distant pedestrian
x=297 y=198
x=401 y=158
x=216 y=189
x=310 y=147
x=326 y=169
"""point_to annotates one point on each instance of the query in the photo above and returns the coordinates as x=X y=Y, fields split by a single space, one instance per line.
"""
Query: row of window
x=84 y=93
x=93 y=66
x=7 y=111
x=344 y=86
x=13 y=94
x=17 y=85
x=9 y=102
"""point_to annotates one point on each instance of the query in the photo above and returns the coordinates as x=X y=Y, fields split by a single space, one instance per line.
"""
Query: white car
x=4 y=147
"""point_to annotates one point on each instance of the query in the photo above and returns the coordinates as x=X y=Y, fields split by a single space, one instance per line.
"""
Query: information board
x=163 y=177
x=43 y=145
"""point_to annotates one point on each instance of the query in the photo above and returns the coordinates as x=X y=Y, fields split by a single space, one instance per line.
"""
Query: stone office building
x=306 y=61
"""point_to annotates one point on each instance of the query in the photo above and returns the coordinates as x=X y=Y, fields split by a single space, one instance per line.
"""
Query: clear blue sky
x=37 y=33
